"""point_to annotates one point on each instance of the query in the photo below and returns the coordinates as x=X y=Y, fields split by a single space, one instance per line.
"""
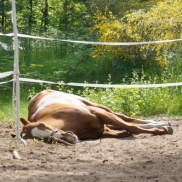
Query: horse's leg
x=144 y=124
x=111 y=119
x=108 y=133
x=122 y=116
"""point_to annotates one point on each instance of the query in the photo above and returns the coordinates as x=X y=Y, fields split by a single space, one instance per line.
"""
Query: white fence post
x=16 y=74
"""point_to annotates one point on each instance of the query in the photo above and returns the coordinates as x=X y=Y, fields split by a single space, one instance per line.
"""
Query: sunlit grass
x=146 y=102
x=8 y=108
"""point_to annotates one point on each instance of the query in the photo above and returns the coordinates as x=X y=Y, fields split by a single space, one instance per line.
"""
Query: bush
x=161 y=22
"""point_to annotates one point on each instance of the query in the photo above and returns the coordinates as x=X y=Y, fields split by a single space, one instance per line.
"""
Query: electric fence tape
x=6 y=74
x=94 y=85
x=94 y=43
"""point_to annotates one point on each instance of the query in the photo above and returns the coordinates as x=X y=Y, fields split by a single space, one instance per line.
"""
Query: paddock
x=139 y=158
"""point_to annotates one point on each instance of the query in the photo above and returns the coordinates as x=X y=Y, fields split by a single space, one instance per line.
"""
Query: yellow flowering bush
x=161 y=22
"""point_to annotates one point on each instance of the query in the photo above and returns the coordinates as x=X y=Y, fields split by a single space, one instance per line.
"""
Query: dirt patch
x=139 y=158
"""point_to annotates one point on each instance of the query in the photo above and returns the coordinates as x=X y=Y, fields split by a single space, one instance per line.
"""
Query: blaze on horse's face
x=43 y=131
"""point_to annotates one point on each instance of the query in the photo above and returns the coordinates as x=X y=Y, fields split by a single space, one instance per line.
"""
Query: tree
x=118 y=7
x=162 y=21
x=2 y=15
x=5 y=18
x=45 y=16
x=30 y=19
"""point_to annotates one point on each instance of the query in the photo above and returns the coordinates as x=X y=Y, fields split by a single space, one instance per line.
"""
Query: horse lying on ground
x=72 y=118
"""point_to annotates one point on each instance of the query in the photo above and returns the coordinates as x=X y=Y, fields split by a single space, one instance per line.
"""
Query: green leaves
x=161 y=22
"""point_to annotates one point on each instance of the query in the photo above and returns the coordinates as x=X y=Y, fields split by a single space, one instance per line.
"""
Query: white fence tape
x=94 y=43
x=5 y=74
x=102 y=85
x=36 y=81
x=124 y=86
x=5 y=82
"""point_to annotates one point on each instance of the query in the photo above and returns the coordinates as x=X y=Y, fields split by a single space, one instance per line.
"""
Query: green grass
x=163 y=101
x=77 y=67
x=8 y=109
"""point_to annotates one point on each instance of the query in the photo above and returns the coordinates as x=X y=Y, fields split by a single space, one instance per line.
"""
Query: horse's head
x=41 y=130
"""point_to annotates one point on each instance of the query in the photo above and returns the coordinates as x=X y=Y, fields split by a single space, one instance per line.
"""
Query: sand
x=143 y=158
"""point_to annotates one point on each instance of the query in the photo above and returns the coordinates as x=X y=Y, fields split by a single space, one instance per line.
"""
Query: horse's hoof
x=168 y=129
x=168 y=123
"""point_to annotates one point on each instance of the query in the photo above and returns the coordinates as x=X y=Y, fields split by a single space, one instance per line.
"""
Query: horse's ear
x=24 y=121
x=42 y=125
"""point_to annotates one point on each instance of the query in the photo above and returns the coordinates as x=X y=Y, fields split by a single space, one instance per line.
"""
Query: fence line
x=94 y=43
x=6 y=74
x=16 y=79
x=103 y=85
x=2 y=75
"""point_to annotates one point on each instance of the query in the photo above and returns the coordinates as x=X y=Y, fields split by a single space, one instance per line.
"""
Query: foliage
x=65 y=18
x=162 y=21
x=133 y=102
x=53 y=18
x=118 y=7
x=138 y=102
x=59 y=61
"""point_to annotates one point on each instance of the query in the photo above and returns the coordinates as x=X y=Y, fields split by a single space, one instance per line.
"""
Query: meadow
x=53 y=64
x=144 y=156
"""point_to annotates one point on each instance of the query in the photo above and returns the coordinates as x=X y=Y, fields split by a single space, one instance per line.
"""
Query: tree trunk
x=45 y=17
x=65 y=7
x=30 y=15
x=3 y=17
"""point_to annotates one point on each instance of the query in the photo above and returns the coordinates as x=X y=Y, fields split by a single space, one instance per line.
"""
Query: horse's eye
x=70 y=132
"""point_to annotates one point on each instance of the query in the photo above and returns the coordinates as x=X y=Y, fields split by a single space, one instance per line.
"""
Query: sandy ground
x=140 y=158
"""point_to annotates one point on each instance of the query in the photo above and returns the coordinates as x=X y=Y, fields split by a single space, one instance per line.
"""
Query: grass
x=8 y=109
x=132 y=102
x=77 y=67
